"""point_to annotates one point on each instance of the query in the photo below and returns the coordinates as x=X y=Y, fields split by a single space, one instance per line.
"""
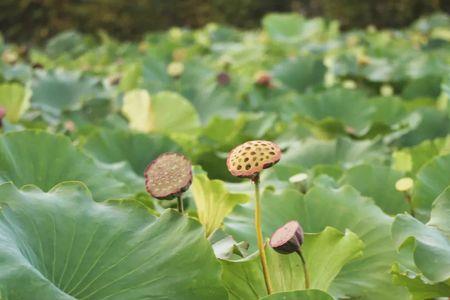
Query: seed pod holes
x=168 y=176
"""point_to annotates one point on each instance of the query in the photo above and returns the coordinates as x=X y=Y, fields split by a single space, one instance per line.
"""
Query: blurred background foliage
x=30 y=21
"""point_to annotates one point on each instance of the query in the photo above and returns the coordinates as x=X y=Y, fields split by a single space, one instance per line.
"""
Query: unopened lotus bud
x=175 y=69
x=223 y=79
x=404 y=184
x=249 y=159
x=288 y=238
x=168 y=176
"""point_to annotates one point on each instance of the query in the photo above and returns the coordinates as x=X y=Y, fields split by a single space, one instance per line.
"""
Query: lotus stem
x=305 y=270
x=409 y=201
x=259 y=236
x=180 y=204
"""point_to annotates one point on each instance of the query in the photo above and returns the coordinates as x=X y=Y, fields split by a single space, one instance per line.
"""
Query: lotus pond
x=296 y=161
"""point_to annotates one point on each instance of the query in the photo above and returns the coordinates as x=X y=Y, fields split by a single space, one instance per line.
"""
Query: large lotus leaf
x=68 y=42
x=283 y=27
x=432 y=179
x=15 y=99
x=291 y=28
x=413 y=158
x=138 y=149
x=301 y=73
x=158 y=113
x=433 y=124
x=429 y=86
x=378 y=183
x=43 y=159
x=213 y=201
x=342 y=151
x=60 y=90
x=346 y=106
x=199 y=84
x=417 y=287
x=299 y=295
x=325 y=254
x=63 y=245
x=367 y=277
x=18 y=72
x=431 y=253
x=388 y=110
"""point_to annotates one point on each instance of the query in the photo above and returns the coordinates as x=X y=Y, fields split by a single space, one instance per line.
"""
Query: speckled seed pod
x=288 y=238
x=168 y=176
x=250 y=158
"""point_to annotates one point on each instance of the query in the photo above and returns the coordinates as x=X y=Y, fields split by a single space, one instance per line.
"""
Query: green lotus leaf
x=299 y=295
x=138 y=149
x=424 y=87
x=432 y=179
x=367 y=277
x=345 y=106
x=301 y=73
x=325 y=254
x=417 y=287
x=378 y=183
x=432 y=124
x=213 y=201
x=15 y=99
x=291 y=28
x=413 y=158
x=431 y=253
x=157 y=113
x=283 y=27
x=44 y=160
x=342 y=151
x=58 y=91
x=64 y=245
x=199 y=84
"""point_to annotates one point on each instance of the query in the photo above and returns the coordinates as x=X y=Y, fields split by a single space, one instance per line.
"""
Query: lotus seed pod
x=175 y=69
x=250 y=158
x=263 y=78
x=223 y=79
x=2 y=115
x=298 y=178
x=168 y=176
x=404 y=184
x=288 y=238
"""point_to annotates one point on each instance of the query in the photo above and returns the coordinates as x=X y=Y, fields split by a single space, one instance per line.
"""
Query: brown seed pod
x=250 y=158
x=2 y=115
x=223 y=79
x=168 y=176
x=288 y=238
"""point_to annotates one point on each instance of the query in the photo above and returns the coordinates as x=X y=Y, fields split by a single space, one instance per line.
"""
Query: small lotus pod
x=404 y=184
x=223 y=79
x=250 y=158
x=175 y=69
x=2 y=115
x=168 y=176
x=288 y=238
x=264 y=79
